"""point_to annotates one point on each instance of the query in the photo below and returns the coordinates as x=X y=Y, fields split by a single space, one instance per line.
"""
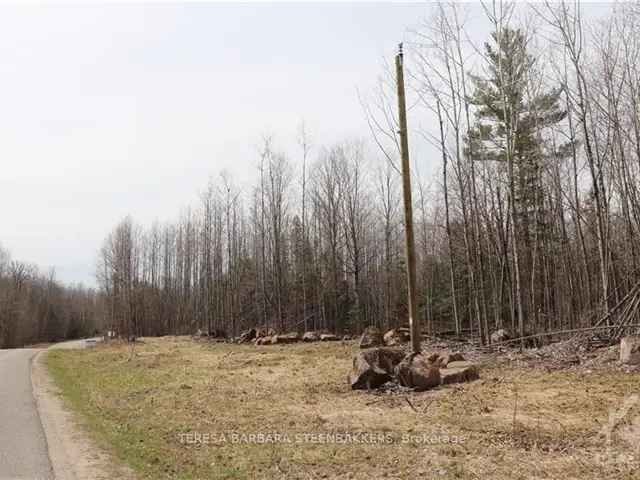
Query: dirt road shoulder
x=73 y=454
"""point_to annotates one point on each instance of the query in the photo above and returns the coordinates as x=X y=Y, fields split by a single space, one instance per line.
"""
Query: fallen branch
x=558 y=332
x=411 y=404
x=424 y=410
x=515 y=408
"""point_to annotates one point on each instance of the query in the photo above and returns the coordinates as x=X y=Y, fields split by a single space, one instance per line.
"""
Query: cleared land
x=180 y=409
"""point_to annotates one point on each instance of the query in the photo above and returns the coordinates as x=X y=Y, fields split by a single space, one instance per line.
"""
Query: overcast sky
x=113 y=110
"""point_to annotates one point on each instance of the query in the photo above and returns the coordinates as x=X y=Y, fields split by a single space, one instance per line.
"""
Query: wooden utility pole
x=408 y=206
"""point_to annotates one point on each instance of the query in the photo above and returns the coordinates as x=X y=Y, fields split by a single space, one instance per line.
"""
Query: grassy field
x=179 y=409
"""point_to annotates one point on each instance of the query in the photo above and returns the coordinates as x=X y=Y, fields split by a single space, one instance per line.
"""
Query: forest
x=36 y=308
x=530 y=221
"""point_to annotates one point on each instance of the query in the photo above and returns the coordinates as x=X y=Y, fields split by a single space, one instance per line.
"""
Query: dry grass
x=515 y=423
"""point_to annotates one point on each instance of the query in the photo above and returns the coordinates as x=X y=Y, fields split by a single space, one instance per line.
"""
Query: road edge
x=72 y=453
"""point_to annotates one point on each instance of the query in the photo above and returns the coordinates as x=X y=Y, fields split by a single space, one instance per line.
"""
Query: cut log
x=459 y=372
x=310 y=337
x=630 y=350
x=374 y=367
x=395 y=337
x=328 y=337
x=247 y=336
x=417 y=372
x=445 y=358
x=371 y=337
x=285 y=338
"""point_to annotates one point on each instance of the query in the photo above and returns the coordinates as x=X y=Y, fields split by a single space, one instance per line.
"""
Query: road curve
x=23 y=446
x=24 y=454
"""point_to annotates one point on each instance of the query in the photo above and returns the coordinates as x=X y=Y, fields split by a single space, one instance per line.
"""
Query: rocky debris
x=501 y=335
x=371 y=337
x=328 y=337
x=459 y=372
x=630 y=350
x=374 y=367
x=396 y=336
x=285 y=338
x=310 y=337
x=417 y=372
x=347 y=338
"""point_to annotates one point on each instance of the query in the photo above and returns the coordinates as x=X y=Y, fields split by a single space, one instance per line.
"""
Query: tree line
x=35 y=307
x=317 y=247
x=531 y=224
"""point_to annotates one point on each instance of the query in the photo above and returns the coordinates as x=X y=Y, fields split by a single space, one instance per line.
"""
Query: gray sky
x=113 y=110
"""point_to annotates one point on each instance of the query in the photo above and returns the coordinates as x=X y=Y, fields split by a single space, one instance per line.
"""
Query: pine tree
x=523 y=115
x=509 y=129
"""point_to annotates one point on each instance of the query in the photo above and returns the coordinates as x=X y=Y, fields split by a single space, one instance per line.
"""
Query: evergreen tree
x=511 y=121
x=508 y=112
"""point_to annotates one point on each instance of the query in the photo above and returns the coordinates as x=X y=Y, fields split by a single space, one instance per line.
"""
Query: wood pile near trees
x=374 y=368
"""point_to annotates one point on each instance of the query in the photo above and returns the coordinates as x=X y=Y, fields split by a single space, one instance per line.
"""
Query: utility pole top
x=400 y=49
